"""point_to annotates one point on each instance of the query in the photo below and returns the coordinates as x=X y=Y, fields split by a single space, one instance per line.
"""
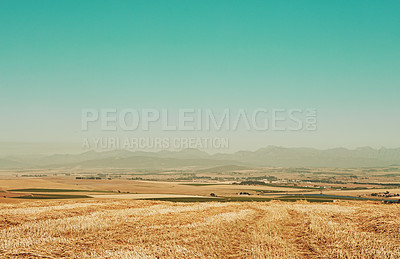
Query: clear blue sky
x=341 y=57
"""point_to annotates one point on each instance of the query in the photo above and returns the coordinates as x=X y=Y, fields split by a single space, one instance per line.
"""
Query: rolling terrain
x=269 y=156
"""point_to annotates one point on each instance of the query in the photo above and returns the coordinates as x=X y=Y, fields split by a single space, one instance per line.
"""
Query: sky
x=341 y=58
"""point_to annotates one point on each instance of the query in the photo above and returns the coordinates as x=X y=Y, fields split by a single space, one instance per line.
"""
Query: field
x=93 y=228
x=213 y=184
x=191 y=213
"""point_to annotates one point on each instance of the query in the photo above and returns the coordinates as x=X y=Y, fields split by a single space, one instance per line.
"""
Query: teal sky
x=340 y=57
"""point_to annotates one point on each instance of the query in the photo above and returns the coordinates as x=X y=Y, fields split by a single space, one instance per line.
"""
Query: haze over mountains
x=264 y=157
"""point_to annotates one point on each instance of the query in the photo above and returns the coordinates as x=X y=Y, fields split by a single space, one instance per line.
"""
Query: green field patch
x=53 y=190
x=52 y=196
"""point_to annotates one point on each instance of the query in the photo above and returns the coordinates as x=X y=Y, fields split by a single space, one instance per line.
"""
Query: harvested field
x=148 y=229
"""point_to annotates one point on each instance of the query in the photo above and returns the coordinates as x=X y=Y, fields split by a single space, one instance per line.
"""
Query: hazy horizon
x=8 y=149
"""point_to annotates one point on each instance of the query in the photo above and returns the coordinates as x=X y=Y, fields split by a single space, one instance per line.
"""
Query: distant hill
x=7 y=164
x=145 y=162
x=309 y=157
x=269 y=156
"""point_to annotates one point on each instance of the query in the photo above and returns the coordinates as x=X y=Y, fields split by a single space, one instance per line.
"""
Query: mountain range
x=271 y=156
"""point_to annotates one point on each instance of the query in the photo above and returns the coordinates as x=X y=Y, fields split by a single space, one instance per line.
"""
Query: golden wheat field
x=156 y=229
